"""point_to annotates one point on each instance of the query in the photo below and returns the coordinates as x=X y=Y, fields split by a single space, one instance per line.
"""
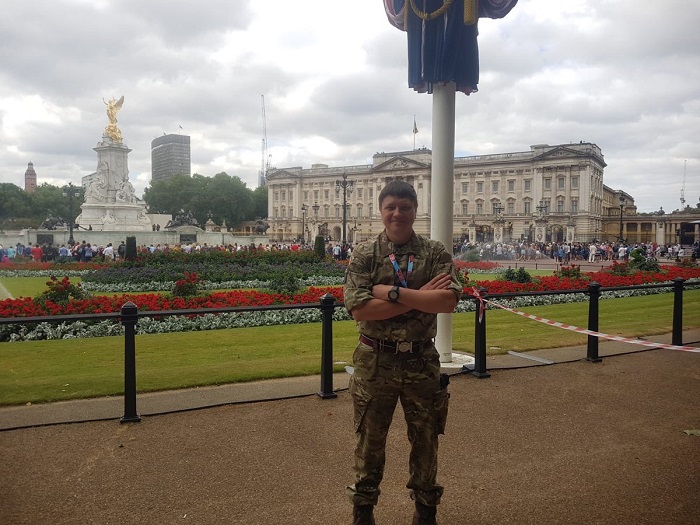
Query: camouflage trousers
x=378 y=382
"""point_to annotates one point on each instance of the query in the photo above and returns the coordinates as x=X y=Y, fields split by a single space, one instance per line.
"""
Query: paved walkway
x=578 y=443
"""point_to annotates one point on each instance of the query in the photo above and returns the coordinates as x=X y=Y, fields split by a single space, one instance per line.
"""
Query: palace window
x=511 y=185
x=479 y=208
x=574 y=205
x=574 y=182
x=465 y=208
x=527 y=207
x=316 y=195
x=548 y=183
x=465 y=187
x=370 y=209
x=561 y=183
x=359 y=193
x=494 y=186
x=527 y=185
x=560 y=206
x=480 y=187
x=510 y=207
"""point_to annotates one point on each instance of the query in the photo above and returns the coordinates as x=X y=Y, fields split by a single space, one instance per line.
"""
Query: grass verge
x=44 y=371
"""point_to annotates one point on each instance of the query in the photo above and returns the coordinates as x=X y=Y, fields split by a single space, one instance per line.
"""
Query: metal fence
x=129 y=316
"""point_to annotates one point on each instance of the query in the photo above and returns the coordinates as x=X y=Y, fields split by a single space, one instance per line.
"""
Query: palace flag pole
x=443 y=58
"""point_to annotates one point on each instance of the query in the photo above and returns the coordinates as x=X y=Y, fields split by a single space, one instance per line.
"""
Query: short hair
x=400 y=190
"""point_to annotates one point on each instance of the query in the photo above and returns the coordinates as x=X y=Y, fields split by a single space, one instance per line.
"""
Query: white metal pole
x=442 y=193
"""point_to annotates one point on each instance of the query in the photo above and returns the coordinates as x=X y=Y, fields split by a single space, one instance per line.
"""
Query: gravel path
x=576 y=443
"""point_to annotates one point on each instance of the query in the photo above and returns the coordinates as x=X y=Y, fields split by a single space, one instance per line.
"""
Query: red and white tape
x=564 y=326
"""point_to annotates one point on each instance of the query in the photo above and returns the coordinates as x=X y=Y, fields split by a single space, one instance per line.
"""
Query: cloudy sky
x=623 y=74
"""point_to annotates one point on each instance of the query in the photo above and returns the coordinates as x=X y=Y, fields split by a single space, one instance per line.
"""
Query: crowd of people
x=564 y=252
x=561 y=252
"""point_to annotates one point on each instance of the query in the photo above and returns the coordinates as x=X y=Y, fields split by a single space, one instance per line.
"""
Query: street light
x=315 y=207
x=304 y=207
x=622 y=205
x=71 y=192
x=347 y=187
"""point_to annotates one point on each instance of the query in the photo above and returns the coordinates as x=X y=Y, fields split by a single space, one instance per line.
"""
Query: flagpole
x=442 y=193
x=415 y=130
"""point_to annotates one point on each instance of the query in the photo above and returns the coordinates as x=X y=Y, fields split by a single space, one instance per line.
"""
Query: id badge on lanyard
x=399 y=273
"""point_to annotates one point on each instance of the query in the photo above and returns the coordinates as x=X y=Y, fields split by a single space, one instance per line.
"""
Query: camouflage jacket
x=370 y=264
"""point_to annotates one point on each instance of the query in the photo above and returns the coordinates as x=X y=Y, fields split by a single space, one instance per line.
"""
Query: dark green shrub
x=130 y=254
x=572 y=272
x=517 y=276
x=320 y=246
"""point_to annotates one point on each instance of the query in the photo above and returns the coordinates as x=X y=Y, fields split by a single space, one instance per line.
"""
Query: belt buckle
x=404 y=346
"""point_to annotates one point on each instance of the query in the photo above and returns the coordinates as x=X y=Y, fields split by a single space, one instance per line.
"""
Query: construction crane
x=265 y=162
x=685 y=165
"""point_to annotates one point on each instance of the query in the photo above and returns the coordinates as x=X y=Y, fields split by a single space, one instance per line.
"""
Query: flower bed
x=26 y=307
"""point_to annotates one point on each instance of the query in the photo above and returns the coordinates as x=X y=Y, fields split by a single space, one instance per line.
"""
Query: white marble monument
x=110 y=203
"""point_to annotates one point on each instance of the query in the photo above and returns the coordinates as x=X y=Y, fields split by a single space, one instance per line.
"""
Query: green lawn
x=42 y=371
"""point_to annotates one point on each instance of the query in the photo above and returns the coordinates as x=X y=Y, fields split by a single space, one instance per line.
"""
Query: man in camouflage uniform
x=394 y=288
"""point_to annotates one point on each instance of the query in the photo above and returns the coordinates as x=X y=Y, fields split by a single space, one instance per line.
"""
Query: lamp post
x=622 y=205
x=304 y=207
x=315 y=207
x=71 y=192
x=347 y=187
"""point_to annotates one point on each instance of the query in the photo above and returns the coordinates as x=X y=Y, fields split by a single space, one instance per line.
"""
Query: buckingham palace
x=548 y=194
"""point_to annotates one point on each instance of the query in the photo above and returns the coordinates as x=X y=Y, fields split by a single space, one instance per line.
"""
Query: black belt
x=395 y=347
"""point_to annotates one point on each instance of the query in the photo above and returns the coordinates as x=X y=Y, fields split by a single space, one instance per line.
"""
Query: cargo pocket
x=441 y=401
x=360 y=401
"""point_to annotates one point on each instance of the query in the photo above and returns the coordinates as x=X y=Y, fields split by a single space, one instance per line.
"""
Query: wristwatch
x=394 y=294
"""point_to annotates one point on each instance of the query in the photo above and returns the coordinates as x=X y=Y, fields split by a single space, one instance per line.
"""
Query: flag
x=180 y=127
x=415 y=128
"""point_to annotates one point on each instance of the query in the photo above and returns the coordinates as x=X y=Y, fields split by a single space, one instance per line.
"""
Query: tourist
x=395 y=287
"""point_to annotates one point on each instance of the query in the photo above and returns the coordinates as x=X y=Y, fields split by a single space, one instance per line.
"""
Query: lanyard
x=399 y=273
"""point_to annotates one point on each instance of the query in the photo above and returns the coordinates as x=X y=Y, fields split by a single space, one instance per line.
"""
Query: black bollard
x=677 y=336
x=129 y=317
x=480 y=338
x=594 y=296
x=327 y=308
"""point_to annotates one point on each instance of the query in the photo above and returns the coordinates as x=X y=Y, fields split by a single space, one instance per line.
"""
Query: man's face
x=398 y=216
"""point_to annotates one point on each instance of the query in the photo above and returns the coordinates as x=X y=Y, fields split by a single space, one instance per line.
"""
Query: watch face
x=394 y=294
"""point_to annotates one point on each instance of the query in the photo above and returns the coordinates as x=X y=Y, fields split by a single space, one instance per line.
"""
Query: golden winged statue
x=113 y=107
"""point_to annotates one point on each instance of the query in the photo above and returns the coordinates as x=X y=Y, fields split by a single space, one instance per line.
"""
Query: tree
x=14 y=202
x=48 y=199
x=260 y=202
x=225 y=197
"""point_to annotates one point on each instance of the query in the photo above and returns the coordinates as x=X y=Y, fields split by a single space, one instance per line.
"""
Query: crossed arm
x=433 y=297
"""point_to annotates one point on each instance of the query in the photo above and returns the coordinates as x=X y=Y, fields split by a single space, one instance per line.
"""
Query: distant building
x=30 y=179
x=170 y=156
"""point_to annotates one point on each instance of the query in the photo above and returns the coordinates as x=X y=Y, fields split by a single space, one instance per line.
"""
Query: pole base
x=130 y=419
x=324 y=395
x=469 y=369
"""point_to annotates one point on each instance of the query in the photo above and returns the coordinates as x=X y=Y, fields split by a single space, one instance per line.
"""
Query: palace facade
x=550 y=193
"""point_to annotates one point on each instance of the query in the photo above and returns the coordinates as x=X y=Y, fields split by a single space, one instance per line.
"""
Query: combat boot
x=424 y=515
x=363 y=515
